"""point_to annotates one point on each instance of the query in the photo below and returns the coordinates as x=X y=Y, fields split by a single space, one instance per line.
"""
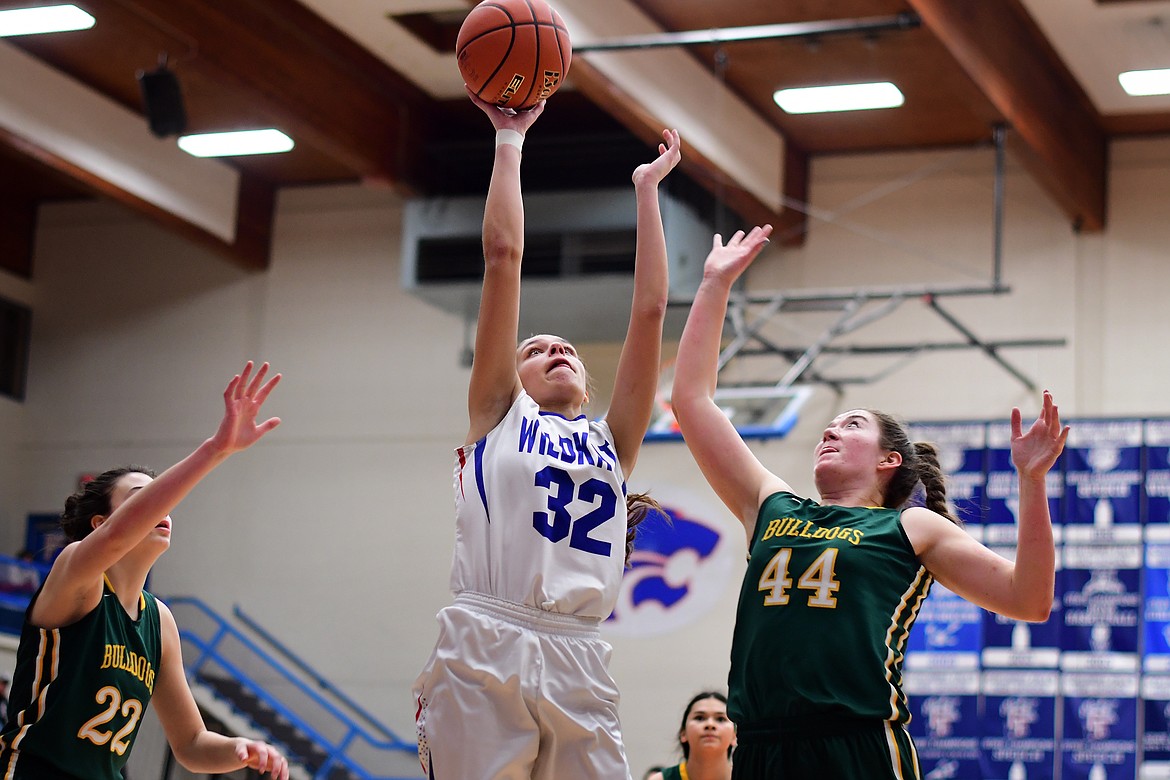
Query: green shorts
x=832 y=749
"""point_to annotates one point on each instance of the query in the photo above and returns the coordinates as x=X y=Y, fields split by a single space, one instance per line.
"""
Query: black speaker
x=163 y=100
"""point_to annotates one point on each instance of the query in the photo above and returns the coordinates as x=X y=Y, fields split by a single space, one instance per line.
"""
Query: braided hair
x=920 y=465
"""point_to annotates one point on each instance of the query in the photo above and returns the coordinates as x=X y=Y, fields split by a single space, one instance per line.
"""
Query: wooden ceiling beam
x=1056 y=132
x=254 y=207
x=322 y=87
x=18 y=225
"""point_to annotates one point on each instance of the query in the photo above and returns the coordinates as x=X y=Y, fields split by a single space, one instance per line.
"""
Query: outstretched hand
x=669 y=154
x=242 y=400
x=262 y=757
x=730 y=260
x=506 y=118
x=1035 y=451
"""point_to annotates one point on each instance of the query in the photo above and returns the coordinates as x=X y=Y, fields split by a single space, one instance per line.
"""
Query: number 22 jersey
x=540 y=513
x=79 y=692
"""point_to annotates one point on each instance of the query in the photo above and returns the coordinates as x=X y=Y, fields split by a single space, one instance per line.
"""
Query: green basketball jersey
x=79 y=693
x=676 y=772
x=825 y=609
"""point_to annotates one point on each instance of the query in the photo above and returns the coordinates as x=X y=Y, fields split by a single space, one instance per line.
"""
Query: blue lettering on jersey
x=576 y=448
x=527 y=435
x=611 y=456
x=581 y=441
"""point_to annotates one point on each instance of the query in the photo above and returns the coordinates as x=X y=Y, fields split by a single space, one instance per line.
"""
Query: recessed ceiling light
x=48 y=19
x=1146 y=82
x=236 y=143
x=839 y=97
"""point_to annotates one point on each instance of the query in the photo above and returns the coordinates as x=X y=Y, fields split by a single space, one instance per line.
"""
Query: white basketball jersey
x=540 y=512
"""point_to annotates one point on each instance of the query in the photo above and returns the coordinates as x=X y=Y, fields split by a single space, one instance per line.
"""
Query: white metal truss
x=772 y=403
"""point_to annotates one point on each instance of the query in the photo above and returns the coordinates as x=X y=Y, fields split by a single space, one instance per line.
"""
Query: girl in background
x=96 y=648
x=706 y=738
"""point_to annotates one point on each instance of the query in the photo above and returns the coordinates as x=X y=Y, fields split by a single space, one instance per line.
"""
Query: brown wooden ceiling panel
x=943 y=106
x=1056 y=131
x=255 y=63
x=276 y=63
x=1136 y=124
x=32 y=181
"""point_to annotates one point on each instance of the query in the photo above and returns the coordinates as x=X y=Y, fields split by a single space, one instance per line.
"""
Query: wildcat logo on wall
x=681 y=567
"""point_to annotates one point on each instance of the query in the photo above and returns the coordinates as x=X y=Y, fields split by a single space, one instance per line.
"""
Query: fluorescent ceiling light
x=1146 y=82
x=840 y=97
x=236 y=143
x=49 y=19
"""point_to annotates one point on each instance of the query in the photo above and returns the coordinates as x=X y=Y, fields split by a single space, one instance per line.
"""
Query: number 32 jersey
x=79 y=692
x=540 y=513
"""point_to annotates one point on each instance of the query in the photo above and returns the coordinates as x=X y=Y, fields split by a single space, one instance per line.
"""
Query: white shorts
x=516 y=693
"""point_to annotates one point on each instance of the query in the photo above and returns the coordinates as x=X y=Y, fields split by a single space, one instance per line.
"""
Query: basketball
x=513 y=53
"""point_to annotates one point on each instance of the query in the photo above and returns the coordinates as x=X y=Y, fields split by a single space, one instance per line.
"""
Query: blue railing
x=18 y=581
x=338 y=694
x=216 y=651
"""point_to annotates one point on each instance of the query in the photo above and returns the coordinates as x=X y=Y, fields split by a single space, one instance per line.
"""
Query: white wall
x=336 y=531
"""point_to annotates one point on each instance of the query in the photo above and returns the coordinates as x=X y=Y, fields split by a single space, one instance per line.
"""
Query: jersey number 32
x=557 y=523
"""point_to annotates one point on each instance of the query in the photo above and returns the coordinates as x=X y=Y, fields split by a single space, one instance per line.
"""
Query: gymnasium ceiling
x=370 y=92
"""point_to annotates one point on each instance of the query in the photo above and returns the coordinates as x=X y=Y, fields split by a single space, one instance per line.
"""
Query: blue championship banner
x=944 y=722
x=1156 y=609
x=1002 y=492
x=948 y=634
x=1014 y=644
x=1103 y=482
x=1156 y=734
x=1100 y=603
x=1100 y=727
x=962 y=452
x=1156 y=508
x=1019 y=725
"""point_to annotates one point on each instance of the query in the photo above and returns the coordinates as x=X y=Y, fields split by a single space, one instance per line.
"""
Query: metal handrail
x=315 y=676
x=335 y=750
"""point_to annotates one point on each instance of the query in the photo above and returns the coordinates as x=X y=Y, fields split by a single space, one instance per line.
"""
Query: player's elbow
x=500 y=252
x=686 y=407
x=650 y=308
x=1037 y=611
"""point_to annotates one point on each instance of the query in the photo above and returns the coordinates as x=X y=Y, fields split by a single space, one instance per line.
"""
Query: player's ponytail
x=638 y=508
x=919 y=466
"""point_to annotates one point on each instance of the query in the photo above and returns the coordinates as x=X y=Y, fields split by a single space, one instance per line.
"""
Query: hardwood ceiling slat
x=1056 y=132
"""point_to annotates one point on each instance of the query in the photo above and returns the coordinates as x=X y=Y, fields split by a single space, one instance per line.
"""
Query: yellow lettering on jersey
x=117 y=657
x=773 y=528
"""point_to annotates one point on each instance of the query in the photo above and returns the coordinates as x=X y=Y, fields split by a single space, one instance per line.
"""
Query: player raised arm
x=636 y=380
x=733 y=471
x=494 y=381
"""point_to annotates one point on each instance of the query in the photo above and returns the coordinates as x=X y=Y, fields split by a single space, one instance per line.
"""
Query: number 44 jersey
x=541 y=513
x=79 y=692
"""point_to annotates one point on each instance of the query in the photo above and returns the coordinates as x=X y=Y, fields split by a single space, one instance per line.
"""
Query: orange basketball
x=513 y=53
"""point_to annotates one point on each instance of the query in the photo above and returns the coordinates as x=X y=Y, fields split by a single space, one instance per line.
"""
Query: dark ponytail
x=919 y=466
x=639 y=506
